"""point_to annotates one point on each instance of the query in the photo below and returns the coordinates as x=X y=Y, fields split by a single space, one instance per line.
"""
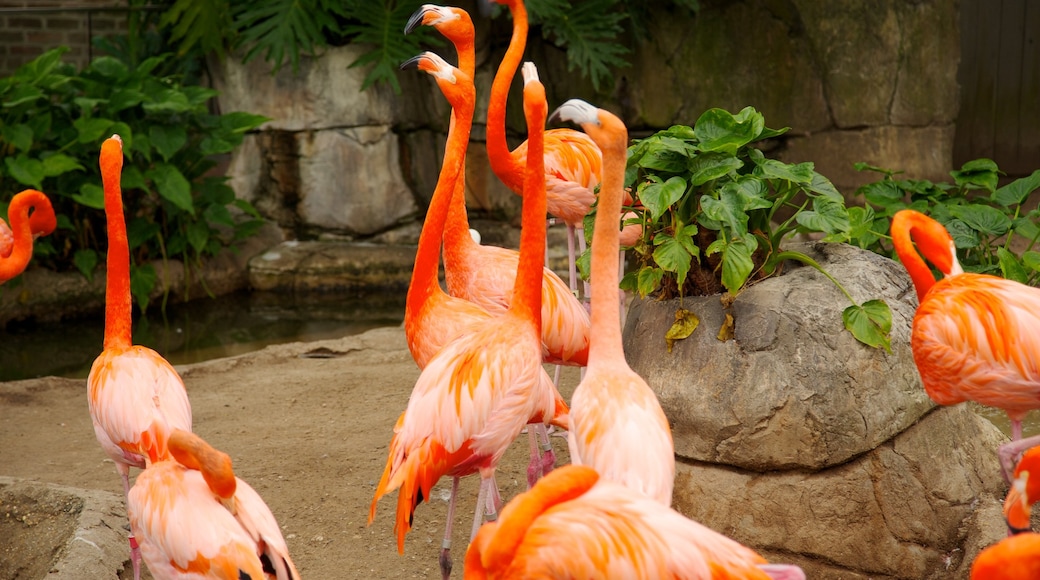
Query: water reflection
x=194 y=332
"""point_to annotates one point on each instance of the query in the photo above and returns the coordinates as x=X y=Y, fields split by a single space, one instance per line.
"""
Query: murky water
x=200 y=330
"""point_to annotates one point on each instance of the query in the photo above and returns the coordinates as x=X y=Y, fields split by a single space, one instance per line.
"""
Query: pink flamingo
x=484 y=274
x=573 y=524
x=617 y=425
x=478 y=392
x=975 y=337
x=31 y=216
x=195 y=519
x=134 y=395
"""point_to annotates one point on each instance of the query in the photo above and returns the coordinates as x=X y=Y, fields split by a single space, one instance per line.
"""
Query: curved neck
x=21 y=251
x=117 y=285
x=527 y=289
x=503 y=163
x=605 y=341
x=427 y=257
x=903 y=229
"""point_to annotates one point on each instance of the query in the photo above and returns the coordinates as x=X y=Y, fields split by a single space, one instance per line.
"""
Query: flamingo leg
x=486 y=481
x=135 y=549
x=1009 y=452
x=534 y=468
x=549 y=458
x=446 y=545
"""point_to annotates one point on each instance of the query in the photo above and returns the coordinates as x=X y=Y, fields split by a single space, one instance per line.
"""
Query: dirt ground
x=306 y=424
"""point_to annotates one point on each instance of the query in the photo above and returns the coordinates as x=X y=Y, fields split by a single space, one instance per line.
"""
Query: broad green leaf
x=861 y=224
x=718 y=130
x=687 y=238
x=218 y=214
x=664 y=161
x=801 y=173
x=20 y=95
x=709 y=166
x=583 y=263
x=1026 y=228
x=1032 y=260
x=198 y=235
x=1011 y=266
x=728 y=210
x=140 y=230
x=172 y=186
x=167 y=101
x=979 y=173
x=648 y=280
x=167 y=139
x=85 y=261
x=827 y=216
x=19 y=135
x=736 y=265
x=983 y=218
x=91 y=130
x=247 y=207
x=685 y=323
x=109 y=67
x=132 y=177
x=881 y=193
x=142 y=281
x=124 y=98
x=90 y=195
x=60 y=163
x=824 y=187
x=1018 y=190
x=25 y=170
x=125 y=133
x=870 y=323
x=658 y=197
x=241 y=122
x=963 y=235
x=679 y=132
x=672 y=256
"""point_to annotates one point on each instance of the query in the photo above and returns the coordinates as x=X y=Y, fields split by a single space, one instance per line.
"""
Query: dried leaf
x=685 y=323
x=726 y=332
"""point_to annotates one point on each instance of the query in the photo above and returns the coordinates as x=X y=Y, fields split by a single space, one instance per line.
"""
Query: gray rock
x=316 y=267
x=350 y=181
x=918 y=506
x=794 y=390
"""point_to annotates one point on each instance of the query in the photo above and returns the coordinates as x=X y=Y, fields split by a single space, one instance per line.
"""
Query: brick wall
x=28 y=28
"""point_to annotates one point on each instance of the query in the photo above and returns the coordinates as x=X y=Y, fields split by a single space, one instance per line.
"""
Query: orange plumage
x=31 y=216
x=1013 y=558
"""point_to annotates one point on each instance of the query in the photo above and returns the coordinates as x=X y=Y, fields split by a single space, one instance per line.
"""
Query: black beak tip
x=415 y=20
x=412 y=63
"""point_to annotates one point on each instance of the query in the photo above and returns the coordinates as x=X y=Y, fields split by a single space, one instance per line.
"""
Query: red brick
x=24 y=22
x=60 y=23
x=47 y=38
x=12 y=36
x=76 y=38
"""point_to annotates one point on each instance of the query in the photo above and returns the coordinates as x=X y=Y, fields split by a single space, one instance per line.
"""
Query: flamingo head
x=112 y=157
x=1025 y=490
x=455 y=84
x=453 y=23
x=604 y=127
x=193 y=452
x=42 y=221
x=932 y=239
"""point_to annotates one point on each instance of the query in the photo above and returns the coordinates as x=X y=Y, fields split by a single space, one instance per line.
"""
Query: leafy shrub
x=984 y=220
x=715 y=209
x=51 y=128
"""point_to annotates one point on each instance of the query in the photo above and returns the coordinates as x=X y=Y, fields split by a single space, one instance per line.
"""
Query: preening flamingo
x=135 y=397
x=485 y=274
x=1013 y=558
x=617 y=425
x=196 y=520
x=31 y=216
x=476 y=394
x=975 y=337
x=573 y=524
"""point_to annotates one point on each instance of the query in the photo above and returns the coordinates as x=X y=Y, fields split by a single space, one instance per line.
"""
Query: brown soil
x=307 y=425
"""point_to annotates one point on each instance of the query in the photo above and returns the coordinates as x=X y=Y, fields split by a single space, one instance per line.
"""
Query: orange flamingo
x=617 y=425
x=1024 y=492
x=432 y=318
x=478 y=392
x=134 y=395
x=975 y=337
x=572 y=524
x=195 y=519
x=31 y=216
x=1013 y=558
x=485 y=274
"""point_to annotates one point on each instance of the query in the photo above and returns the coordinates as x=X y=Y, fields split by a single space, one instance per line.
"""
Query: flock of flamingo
x=481 y=347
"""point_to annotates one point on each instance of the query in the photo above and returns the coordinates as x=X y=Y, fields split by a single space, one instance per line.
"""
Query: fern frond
x=284 y=29
x=380 y=24
x=203 y=23
x=587 y=31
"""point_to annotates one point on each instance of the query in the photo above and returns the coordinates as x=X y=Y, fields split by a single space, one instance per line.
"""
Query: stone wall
x=873 y=80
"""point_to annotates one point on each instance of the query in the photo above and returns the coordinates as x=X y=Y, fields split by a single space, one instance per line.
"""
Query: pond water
x=197 y=331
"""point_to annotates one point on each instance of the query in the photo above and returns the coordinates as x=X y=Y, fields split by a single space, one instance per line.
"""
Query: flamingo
x=573 y=162
x=975 y=337
x=1024 y=492
x=1013 y=558
x=196 y=520
x=135 y=397
x=485 y=274
x=573 y=524
x=617 y=425
x=31 y=216
x=478 y=392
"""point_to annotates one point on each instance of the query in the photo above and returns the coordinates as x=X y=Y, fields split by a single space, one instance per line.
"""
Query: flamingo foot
x=782 y=571
x=445 y=560
x=534 y=472
x=548 y=461
x=135 y=557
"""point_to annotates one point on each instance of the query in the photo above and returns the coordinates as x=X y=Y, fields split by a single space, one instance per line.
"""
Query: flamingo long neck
x=605 y=341
x=21 y=251
x=903 y=229
x=427 y=258
x=503 y=163
x=456 y=230
x=527 y=289
x=117 y=286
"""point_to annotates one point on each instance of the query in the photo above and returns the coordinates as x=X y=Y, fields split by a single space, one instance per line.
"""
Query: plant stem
x=789 y=255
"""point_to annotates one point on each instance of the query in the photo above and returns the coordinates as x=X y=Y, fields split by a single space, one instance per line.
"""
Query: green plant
x=51 y=128
x=993 y=232
x=715 y=210
x=283 y=30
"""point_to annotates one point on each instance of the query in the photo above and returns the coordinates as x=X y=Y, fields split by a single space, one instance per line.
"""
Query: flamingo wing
x=256 y=519
x=135 y=399
x=573 y=165
x=619 y=429
x=441 y=319
x=975 y=338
